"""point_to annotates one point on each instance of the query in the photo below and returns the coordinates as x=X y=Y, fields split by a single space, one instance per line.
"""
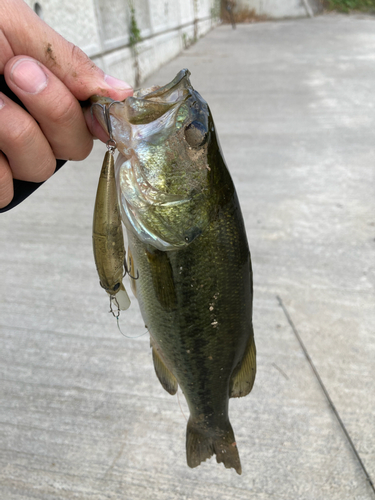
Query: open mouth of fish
x=150 y=125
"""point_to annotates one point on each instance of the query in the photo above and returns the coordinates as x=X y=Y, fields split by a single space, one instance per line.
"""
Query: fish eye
x=116 y=287
x=196 y=134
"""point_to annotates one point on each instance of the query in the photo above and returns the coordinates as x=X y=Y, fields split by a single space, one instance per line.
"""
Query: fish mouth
x=171 y=92
x=152 y=123
x=145 y=106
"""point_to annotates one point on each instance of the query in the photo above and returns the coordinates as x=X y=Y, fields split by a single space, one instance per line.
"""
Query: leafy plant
x=215 y=11
x=347 y=5
x=134 y=39
x=135 y=32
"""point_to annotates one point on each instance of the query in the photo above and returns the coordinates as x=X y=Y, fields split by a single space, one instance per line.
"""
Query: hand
x=49 y=75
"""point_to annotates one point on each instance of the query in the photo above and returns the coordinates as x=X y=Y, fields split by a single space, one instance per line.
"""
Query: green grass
x=347 y=5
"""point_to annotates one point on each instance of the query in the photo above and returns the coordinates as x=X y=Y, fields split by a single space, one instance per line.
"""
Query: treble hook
x=128 y=273
x=112 y=299
x=111 y=143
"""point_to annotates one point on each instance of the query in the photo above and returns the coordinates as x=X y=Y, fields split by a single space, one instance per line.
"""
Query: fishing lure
x=107 y=234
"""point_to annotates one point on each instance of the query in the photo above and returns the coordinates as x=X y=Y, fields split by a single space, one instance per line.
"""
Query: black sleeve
x=22 y=189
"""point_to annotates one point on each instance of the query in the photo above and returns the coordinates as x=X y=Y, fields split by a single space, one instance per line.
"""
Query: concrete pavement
x=82 y=414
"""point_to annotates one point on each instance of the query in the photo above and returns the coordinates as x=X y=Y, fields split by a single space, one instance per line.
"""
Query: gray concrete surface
x=82 y=415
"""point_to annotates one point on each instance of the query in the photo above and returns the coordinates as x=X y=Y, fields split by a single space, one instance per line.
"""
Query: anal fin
x=165 y=376
x=243 y=377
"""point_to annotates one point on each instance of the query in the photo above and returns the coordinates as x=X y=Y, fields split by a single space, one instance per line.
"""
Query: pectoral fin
x=243 y=377
x=162 y=278
x=165 y=376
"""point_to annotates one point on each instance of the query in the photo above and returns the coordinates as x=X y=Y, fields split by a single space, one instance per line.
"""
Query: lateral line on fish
x=325 y=391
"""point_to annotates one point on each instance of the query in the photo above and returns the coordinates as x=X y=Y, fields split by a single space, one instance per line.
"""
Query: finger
x=28 y=152
x=28 y=35
x=94 y=126
x=6 y=182
x=53 y=106
x=6 y=51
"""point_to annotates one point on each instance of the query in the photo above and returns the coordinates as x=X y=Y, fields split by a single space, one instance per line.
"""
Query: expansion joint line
x=328 y=397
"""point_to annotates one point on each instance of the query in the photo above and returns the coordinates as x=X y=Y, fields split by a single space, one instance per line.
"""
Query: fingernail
x=29 y=76
x=2 y=103
x=117 y=84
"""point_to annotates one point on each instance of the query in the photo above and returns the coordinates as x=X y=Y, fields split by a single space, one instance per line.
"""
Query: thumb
x=28 y=35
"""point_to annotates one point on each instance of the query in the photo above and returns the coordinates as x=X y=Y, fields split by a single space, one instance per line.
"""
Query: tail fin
x=203 y=443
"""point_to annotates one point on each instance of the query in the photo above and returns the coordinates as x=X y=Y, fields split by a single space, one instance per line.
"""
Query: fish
x=188 y=246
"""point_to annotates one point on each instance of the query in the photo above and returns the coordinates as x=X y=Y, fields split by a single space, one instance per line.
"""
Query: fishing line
x=333 y=408
x=128 y=336
x=116 y=314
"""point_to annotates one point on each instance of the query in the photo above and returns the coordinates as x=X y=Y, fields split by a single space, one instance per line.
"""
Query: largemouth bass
x=187 y=243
